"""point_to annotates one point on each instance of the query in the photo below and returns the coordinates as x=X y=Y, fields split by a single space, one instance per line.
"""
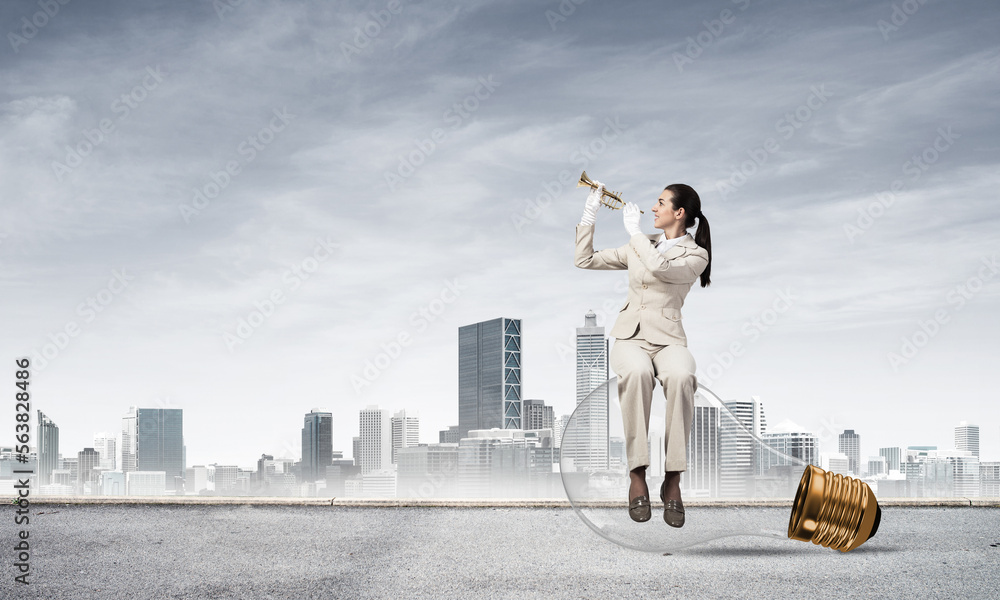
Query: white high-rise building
x=588 y=446
x=965 y=469
x=559 y=428
x=196 y=480
x=967 y=437
x=224 y=477
x=792 y=440
x=989 y=479
x=741 y=425
x=877 y=466
x=405 y=431
x=703 y=451
x=835 y=462
x=374 y=439
x=106 y=445
x=130 y=441
x=893 y=457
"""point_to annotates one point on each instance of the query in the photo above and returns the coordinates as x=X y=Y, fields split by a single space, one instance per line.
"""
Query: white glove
x=630 y=215
x=593 y=203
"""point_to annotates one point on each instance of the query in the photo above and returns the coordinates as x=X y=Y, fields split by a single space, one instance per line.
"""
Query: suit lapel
x=678 y=249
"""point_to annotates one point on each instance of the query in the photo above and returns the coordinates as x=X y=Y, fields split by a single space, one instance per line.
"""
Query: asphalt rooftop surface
x=300 y=552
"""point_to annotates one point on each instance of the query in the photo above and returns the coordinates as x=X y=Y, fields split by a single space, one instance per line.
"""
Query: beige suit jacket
x=658 y=283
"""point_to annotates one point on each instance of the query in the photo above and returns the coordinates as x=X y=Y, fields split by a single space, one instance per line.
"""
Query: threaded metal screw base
x=833 y=510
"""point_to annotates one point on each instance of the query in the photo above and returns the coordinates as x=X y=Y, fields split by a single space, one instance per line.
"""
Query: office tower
x=877 y=466
x=375 y=439
x=48 y=448
x=738 y=458
x=153 y=440
x=967 y=437
x=265 y=467
x=405 y=431
x=70 y=465
x=129 y=440
x=560 y=428
x=834 y=462
x=588 y=446
x=87 y=460
x=893 y=457
x=989 y=479
x=849 y=444
x=196 y=480
x=536 y=415
x=790 y=439
x=449 y=436
x=317 y=444
x=356 y=450
x=703 y=451
x=489 y=375
x=225 y=477
x=106 y=445
x=965 y=473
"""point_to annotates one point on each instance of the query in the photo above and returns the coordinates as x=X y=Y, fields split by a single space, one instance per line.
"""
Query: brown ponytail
x=685 y=197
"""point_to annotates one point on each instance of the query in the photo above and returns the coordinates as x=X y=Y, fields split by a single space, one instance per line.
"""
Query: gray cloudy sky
x=179 y=166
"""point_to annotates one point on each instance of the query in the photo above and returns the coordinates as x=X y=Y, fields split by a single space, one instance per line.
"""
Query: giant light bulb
x=725 y=458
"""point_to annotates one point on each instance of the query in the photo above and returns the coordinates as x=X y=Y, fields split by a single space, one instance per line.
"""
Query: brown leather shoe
x=673 y=510
x=640 y=509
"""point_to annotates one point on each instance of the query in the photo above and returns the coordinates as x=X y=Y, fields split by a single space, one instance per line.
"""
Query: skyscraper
x=703 y=451
x=789 y=439
x=317 y=444
x=374 y=440
x=849 y=444
x=48 y=448
x=129 y=439
x=588 y=446
x=536 y=415
x=153 y=440
x=967 y=437
x=87 y=459
x=489 y=375
x=405 y=431
x=106 y=445
x=893 y=457
x=739 y=461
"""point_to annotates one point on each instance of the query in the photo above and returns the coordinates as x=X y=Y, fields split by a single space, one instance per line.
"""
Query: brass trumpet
x=614 y=199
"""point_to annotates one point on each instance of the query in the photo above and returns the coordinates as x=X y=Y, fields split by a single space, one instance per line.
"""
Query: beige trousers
x=638 y=365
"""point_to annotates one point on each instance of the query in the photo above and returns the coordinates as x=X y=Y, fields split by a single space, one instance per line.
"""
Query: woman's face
x=664 y=214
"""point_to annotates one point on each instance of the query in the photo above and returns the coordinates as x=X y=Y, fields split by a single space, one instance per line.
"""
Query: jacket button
x=644 y=286
x=643 y=306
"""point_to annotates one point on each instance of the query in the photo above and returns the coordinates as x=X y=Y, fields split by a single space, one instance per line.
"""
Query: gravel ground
x=150 y=551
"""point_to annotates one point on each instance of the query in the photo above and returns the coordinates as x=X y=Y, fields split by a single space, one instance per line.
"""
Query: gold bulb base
x=833 y=511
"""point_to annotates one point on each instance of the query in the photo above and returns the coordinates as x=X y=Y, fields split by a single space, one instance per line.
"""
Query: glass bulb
x=725 y=458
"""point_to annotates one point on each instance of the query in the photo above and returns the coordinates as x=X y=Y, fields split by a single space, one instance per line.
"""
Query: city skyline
x=748 y=412
x=491 y=462
x=266 y=204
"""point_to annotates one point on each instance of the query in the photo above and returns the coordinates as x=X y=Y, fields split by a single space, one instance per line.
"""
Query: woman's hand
x=630 y=215
x=593 y=203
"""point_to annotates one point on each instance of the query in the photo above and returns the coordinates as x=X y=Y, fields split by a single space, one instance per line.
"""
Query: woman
x=650 y=344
